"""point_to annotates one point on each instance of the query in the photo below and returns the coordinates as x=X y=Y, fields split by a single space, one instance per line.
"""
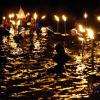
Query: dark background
x=73 y=8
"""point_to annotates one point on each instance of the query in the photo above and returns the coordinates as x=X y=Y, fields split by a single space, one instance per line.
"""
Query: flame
x=98 y=18
x=21 y=16
x=44 y=29
x=27 y=14
x=11 y=15
x=85 y=15
x=90 y=33
x=56 y=18
x=81 y=28
x=43 y=17
x=35 y=15
x=3 y=17
x=64 y=17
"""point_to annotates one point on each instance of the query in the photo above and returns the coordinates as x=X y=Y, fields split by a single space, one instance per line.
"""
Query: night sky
x=74 y=8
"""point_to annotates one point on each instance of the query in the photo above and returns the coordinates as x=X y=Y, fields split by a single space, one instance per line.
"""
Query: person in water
x=60 y=58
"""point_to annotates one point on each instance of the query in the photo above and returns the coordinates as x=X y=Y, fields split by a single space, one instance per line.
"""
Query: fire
x=98 y=18
x=3 y=17
x=85 y=15
x=56 y=18
x=35 y=16
x=43 y=17
x=90 y=33
x=64 y=17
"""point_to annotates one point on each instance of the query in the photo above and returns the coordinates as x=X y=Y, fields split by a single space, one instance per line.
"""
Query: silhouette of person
x=60 y=58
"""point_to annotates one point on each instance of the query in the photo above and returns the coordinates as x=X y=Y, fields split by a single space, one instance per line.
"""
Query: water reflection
x=27 y=77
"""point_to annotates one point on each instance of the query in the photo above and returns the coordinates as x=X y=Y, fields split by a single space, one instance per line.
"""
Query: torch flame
x=35 y=15
x=98 y=18
x=3 y=17
x=85 y=15
x=11 y=15
x=20 y=16
x=56 y=18
x=64 y=17
x=27 y=14
x=43 y=17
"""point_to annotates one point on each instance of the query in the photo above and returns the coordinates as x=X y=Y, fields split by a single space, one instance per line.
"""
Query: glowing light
x=44 y=29
x=13 y=22
x=35 y=16
x=56 y=18
x=81 y=67
x=12 y=31
x=78 y=59
x=80 y=38
x=98 y=18
x=64 y=18
x=18 y=22
x=29 y=23
x=21 y=14
x=43 y=17
x=27 y=14
x=17 y=16
x=85 y=15
x=3 y=17
x=81 y=28
x=13 y=45
x=90 y=33
x=4 y=39
x=11 y=15
x=37 y=45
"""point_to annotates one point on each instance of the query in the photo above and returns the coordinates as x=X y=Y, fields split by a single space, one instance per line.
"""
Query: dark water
x=24 y=77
